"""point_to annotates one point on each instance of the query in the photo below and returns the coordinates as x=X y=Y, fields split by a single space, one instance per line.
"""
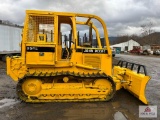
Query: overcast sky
x=121 y=16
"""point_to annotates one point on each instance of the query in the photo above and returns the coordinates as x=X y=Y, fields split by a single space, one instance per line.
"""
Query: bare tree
x=147 y=30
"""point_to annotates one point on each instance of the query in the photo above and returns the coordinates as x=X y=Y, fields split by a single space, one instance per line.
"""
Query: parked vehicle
x=10 y=37
x=136 y=50
x=113 y=52
x=144 y=50
x=156 y=52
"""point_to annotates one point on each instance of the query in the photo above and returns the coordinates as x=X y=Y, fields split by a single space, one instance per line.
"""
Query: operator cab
x=62 y=37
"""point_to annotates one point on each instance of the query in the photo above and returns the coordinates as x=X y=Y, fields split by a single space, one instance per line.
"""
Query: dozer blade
x=134 y=78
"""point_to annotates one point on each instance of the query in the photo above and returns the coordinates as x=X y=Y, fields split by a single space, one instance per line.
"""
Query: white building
x=125 y=46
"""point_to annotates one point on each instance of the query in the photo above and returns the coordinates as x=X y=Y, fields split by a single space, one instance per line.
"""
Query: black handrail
x=126 y=64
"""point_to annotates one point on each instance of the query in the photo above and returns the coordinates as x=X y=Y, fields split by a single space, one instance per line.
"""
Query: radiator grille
x=40 y=25
x=94 y=61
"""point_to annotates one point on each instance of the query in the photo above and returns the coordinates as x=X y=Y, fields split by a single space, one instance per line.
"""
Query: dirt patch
x=7 y=85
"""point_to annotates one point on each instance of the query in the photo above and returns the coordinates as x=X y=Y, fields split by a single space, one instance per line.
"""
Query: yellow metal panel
x=36 y=58
x=93 y=60
x=106 y=64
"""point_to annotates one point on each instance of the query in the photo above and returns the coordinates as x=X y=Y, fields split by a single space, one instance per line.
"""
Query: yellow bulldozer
x=51 y=70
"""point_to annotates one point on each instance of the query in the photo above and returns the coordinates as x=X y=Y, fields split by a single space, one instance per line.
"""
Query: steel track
x=25 y=98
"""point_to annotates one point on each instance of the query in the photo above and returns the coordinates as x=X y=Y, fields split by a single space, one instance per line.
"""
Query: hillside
x=151 y=39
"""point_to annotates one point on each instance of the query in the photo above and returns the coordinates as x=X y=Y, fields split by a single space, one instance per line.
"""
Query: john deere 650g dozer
x=84 y=73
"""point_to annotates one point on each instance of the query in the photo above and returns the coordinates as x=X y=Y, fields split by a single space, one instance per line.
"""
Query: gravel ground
x=123 y=103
